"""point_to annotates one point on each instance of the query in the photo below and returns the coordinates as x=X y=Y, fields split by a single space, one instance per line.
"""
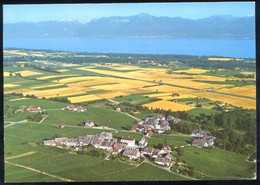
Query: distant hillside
x=139 y=26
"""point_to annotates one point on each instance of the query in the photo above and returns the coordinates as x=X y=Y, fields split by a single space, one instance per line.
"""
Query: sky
x=86 y=12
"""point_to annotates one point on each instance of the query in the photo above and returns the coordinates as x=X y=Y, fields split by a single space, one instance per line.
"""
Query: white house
x=132 y=153
x=163 y=161
x=106 y=135
x=89 y=123
x=49 y=142
x=129 y=141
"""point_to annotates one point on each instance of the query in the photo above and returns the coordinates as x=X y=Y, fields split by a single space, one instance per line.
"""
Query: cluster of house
x=73 y=108
x=32 y=108
x=87 y=123
x=203 y=138
x=157 y=124
x=127 y=146
x=157 y=155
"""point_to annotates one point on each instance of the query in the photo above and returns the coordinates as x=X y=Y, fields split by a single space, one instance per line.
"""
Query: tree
x=165 y=142
x=180 y=151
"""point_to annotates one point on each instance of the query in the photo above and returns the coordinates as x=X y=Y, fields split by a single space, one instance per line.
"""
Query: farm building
x=156 y=152
x=61 y=125
x=118 y=147
x=89 y=123
x=129 y=141
x=106 y=135
x=69 y=107
x=132 y=153
x=106 y=145
x=49 y=142
x=163 y=161
x=79 y=109
x=166 y=149
x=199 y=133
x=148 y=151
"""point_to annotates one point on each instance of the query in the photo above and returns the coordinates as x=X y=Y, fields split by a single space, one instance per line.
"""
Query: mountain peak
x=143 y=15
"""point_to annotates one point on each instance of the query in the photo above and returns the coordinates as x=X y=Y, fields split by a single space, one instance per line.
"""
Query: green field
x=137 y=99
x=28 y=160
x=215 y=163
x=198 y=111
x=59 y=162
x=100 y=115
x=18 y=174
x=44 y=104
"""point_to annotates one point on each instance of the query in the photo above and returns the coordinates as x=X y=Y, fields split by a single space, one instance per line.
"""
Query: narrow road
x=107 y=157
x=43 y=119
x=167 y=169
x=38 y=171
x=13 y=123
x=126 y=114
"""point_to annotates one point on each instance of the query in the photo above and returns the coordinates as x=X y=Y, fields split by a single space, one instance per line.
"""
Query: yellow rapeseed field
x=28 y=73
x=62 y=70
x=163 y=104
x=16 y=52
x=84 y=98
x=193 y=71
x=53 y=76
x=75 y=79
x=6 y=73
x=236 y=101
x=44 y=86
x=113 y=87
x=247 y=73
x=10 y=85
x=169 y=89
x=244 y=91
x=159 y=94
x=222 y=59
x=17 y=99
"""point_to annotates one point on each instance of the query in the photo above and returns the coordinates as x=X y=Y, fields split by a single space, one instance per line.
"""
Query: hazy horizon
x=84 y=13
x=68 y=20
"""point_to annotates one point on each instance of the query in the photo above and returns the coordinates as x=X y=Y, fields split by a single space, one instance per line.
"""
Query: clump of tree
x=92 y=151
x=35 y=117
x=60 y=99
x=9 y=111
x=20 y=95
x=31 y=96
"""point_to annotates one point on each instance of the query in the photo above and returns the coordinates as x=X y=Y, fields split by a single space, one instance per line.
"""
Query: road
x=127 y=114
x=43 y=119
x=13 y=123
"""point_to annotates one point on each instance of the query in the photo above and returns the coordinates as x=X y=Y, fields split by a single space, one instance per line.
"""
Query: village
x=128 y=146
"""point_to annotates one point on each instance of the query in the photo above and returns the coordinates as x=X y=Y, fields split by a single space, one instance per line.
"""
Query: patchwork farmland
x=116 y=97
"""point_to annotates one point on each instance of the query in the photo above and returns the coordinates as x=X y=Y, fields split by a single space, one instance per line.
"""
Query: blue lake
x=200 y=47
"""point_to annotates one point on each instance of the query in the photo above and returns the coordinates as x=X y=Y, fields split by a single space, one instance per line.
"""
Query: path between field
x=38 y=171
x=167 y=169
x=13 y=123
x=107 y=157
x=126 y=114
x=21 y=155
x=43 y=119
